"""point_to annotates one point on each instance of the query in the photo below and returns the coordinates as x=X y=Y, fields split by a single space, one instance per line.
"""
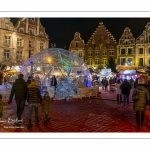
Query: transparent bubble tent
x=68 y=68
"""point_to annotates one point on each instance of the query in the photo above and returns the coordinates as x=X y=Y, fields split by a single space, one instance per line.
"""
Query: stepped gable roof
x=98 y=32
x=127 y=33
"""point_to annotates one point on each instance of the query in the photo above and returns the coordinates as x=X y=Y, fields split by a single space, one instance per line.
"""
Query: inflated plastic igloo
x=69 y=69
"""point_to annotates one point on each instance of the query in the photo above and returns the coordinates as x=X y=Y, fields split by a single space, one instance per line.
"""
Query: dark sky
x=61 y=30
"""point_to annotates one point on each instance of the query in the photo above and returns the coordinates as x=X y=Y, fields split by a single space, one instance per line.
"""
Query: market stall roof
x=127 y=72
x=142 y=71
x=10 y=71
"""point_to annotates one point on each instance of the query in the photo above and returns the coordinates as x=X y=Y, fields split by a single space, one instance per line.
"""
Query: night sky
x=61 y=30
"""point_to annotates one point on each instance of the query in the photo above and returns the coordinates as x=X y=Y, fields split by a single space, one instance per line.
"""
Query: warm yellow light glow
x=49 y=60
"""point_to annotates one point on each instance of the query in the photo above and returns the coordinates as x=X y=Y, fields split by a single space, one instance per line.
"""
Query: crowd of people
x=27 y=91
x=123 y=91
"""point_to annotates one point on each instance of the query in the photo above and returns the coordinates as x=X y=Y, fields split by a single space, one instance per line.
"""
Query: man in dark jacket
x=19 y=88
x=33 y=98
x=125 y=88
x=28 y=81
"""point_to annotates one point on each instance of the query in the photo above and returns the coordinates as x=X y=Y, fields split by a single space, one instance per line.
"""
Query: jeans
x=140 y=117
x=126 y=98
x=31 y=106
x=20 y=108
x=119 y=98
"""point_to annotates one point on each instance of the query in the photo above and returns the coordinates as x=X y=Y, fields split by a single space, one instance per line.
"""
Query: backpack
x=135 y=95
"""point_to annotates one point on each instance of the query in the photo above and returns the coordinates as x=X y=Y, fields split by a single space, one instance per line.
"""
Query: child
x=46 y=106
x=1 y=106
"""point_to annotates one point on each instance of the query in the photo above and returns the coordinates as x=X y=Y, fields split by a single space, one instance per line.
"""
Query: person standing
x=28 y=81
x=125 y=88
x=46 y=106
x=132 y=83
x=105 y=83
x=53 y=85
x=19 y=88
x=33 y=98
x=118 y=91
x=140 y=105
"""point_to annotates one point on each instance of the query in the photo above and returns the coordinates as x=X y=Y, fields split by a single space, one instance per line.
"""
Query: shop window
x=123 y=61
x=129 y=61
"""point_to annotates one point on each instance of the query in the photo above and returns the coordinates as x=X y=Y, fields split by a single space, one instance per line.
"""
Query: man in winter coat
x=125 y=88
x=118 y=91
x=33 y=98
x=19 y=88
x=140 y=105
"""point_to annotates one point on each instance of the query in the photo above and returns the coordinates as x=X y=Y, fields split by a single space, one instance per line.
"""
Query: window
x=19 y=55
x=19 y=42
x=111 y=52
x=7 y=39
x=90 y=53
x=80 y=53
x=140 y=61
x=104 y=60
x=31 y=44
x=41 y=45
x=21 y=30
x=129 y=61
x=107 y=43
x=7 y=53
x=149 y=50
x=93 y=44
x=123 y=51
x=104 y=52
x=97 y=61
x=97 y=52
x=129 y=50
x=32 y=32
x=140 y=50
x=123 y=61
x=6 y=26
x=90 y=61
x=76 y=44
x=41 y=34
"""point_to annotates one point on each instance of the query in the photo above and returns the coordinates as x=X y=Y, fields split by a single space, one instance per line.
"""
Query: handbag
x=135 y=95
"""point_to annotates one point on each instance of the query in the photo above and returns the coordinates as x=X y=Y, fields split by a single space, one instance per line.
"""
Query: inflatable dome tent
x=69 y=69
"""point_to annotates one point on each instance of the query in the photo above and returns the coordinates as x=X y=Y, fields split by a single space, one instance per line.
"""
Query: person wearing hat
x=33 y=98
x=140 y=105
x=46 y=106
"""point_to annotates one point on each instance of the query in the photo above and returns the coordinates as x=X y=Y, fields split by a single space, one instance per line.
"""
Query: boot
x=37 y=120
x=29 y=124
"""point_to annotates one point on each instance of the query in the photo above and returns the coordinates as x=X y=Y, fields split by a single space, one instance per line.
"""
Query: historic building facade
x=20 y=39
x=100 y=47
x=77 y=46
x=126 y=51
x=143 y=48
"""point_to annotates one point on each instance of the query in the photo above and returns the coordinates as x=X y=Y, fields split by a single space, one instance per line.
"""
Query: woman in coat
x=140 y=105
x=118 y=91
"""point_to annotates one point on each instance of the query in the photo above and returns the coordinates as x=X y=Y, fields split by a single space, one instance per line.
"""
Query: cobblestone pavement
x=86 y=115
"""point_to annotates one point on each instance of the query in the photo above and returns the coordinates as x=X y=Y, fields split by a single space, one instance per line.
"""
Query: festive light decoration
x=70 y=70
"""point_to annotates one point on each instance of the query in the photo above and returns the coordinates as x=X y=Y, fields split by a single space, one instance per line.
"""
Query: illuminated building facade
x=21 y=38
x=100 y=47
x=143 y=48
x=77 y=46
x=126 y=51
